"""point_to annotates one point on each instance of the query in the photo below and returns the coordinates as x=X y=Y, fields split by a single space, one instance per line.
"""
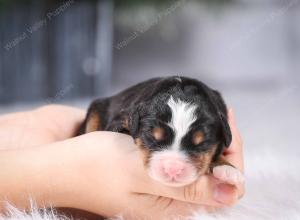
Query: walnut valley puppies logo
x=276 y=14
x=59 y=10
x=38 y=25
x=144 y=28
x=60 y=94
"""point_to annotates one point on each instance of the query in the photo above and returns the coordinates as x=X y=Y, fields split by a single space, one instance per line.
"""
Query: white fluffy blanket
x=273 y=191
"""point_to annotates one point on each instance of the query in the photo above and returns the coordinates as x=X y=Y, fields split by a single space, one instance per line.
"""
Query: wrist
x=33 y=173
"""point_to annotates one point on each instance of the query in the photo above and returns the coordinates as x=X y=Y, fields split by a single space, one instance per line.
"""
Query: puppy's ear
x=226 y=131
x=134 y=120
x=133 y=123
x=220 y=108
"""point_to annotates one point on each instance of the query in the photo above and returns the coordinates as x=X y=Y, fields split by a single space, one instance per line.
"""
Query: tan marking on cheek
x=158 y=133
x=198 y=137
x=93 y=122
x=144 y=151
x=203 y=160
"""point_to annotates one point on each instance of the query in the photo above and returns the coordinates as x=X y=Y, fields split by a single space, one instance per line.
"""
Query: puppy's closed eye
x=198 y=137
x=158 y=133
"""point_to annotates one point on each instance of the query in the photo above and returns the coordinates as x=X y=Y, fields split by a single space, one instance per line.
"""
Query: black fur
x=140 y=108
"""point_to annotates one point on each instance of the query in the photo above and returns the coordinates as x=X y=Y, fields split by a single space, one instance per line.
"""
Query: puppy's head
x=180 y=130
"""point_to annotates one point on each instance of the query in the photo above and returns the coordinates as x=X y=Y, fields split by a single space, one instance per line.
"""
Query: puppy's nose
x=173 y=168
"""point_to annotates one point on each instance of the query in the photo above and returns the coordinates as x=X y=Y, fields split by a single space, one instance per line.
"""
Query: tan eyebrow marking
x=198 y=137
x=158 y=133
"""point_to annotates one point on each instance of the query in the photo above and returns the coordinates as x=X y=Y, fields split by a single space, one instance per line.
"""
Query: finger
x=234 y=154
x=230 y=175
x=62 y=121
x=236 y=144
x=205 y=191
x=147 y=206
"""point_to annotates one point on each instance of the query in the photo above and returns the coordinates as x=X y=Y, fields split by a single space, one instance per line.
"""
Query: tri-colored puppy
x=178 y=123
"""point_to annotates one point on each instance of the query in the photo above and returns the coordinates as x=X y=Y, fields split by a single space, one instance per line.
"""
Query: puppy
x=179 y=125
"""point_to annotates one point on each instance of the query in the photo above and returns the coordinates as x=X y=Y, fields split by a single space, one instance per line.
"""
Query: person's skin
x=101 y=172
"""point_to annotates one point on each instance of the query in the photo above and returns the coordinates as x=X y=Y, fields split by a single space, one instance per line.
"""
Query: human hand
x=77 y=177
x=234 y=155
x=43 y=125
x=126 y=182
x=148 y=198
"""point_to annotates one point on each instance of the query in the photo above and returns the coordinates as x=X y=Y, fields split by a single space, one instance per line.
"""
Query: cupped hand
x=111 y=170
x=102 y=172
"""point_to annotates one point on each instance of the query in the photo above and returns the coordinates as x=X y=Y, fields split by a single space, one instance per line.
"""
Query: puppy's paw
x=228 y=174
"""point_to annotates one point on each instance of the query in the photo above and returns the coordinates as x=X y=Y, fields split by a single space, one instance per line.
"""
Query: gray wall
x=245 y=45
x=49 y=49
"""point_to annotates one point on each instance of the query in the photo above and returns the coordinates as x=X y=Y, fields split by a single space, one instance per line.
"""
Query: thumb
x=205 y=191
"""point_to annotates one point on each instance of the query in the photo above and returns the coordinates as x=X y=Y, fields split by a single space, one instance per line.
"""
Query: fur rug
x=273 y=183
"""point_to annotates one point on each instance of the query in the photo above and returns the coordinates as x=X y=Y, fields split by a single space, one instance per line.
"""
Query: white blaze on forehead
x=183 y=115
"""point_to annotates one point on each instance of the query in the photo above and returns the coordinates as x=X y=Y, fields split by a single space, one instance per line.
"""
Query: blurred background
x=72 y=51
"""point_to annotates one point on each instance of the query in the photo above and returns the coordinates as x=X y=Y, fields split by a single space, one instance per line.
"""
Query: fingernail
x=225 y=194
